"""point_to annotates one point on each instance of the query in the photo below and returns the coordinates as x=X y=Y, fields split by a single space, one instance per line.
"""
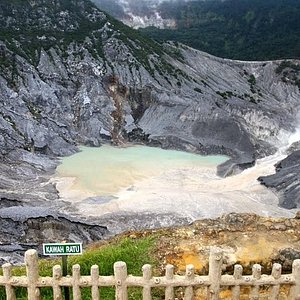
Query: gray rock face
x=84 y=78
x=19 y=235
x=286 y=180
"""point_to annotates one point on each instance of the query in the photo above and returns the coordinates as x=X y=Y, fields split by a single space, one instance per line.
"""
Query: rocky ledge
x=286 y=181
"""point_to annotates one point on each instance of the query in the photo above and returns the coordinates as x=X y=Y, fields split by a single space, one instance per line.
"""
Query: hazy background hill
x=238 y=29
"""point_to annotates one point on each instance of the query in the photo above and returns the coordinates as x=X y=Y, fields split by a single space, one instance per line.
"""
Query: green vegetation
x=290 y=72
x=28 y=34
x=10 y=121
x=134 y=251
x=198 y=90
x=229 y=94
x=148 y=52
x=225 y=95
x=140 y=46
x=35 y=111
x=238 y=29
x=8 y=67
x=59 y=24
x=252 y=82
x=287 y=64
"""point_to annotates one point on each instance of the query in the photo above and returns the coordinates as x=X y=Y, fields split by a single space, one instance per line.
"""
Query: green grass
x=134 y=251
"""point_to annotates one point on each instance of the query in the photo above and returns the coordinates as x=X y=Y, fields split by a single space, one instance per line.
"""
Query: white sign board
x=62 y=249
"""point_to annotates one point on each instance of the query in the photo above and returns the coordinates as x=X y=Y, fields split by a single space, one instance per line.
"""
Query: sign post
x=63 y=249
x=64 y=261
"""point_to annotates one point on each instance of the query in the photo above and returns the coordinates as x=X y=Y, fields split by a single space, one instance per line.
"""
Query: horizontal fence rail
x=213 y=282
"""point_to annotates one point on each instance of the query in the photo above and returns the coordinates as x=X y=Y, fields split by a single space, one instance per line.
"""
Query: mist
x=139 y=14
x=119 y=7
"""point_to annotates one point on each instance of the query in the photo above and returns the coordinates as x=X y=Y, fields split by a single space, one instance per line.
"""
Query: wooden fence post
x=10 y=292
x=237 y=275
x=76 y=282
x=120 y=272
x=189 y=275
x=169 y=294
x=56 y=274
x=32 y=271
x=295 y=290
x=95 y=280
x=215 y=270
x=256 y=275
x=213 y=281
x=276 y=274
x=147 y=275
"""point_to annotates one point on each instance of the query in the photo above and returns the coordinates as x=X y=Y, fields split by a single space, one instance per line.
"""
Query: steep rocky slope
x=70 y=74
x=286 y=180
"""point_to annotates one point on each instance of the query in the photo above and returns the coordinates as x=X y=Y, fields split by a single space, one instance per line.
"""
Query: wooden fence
x=213 y=283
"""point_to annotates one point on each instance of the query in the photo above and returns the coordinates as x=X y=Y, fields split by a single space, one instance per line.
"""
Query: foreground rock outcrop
x=19 y=234
x=245 y=239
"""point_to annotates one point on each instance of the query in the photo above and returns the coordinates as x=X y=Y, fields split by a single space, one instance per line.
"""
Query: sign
x=62 y=249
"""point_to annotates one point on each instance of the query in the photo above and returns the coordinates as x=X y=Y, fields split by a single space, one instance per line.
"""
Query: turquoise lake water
x=107 y=169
